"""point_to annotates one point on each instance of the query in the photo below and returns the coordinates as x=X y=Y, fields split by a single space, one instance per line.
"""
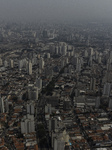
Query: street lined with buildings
x=56 y=87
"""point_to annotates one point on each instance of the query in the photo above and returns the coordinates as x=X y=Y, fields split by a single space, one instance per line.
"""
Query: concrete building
x=59 y=144
x=67 y=104
x=30 y=108
x=39 y=83
x=90 y=62
x=6 y=105
x=59 y=140
x=29 y=68
x=97 y=104
x=1 y=62
x=48 y=55
x=48 y=109
x=56 y=50
x=41 y=63
x=64 y=50
x=86 y=53
x=11 y=63
x=62 y=63
x=20 y=65
x=92 y=84
x=2 y=109
x=33 y=93
x=5 y=63
x=110 y=103
x=27 y=124
x=106 y=89
x=91 y=51
x=52 y=124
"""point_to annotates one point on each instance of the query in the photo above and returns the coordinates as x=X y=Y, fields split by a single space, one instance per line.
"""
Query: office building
x=39 y=83
x=92 y=84
x=2 y=109
x=97 y=104
x=30 y=109
x=11 y=63
x=41 y=63
x=29 y=68
x=106 y=89
x=110 y=103
x=1 y=62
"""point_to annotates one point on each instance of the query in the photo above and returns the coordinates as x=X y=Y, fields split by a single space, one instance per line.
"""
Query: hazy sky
x=56 y=10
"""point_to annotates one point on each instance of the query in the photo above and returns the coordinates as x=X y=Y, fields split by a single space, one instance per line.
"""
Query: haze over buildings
x=56 y=10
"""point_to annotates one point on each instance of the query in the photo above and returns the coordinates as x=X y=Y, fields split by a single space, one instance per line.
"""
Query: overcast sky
x=56 y=10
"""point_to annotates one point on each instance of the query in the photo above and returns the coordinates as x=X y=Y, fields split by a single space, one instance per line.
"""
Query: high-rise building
x=67 y=104
x=90 y=62
x=59 y=140
x=30 y=68
x=92 y=84
x=33 y=93
x=75 y=60
x=5 y=63
x=78 y=67
x=30 y=108
x=59 y=144
x=77 y=92
x=34 y=61
x=39 y=83
x=96 y=55
x=27 y=124
x=56 y=50
x=20 y=65
x=11 y=63
x=59 y=50
x=2 y=110
x=78 y=64
x=66 y=61
x=62 y=63
x=41 y=63
x=1 y=62
x=52 y=124
x=110 y=55
x=86 y=53
x=91 y=51
x=48 y=109
x=64 y=50
x=110 y=103
x=97 y=104
x=99 y=59
x=71 y=53
x=106 y=89
x=6 y=106
x=48 y=55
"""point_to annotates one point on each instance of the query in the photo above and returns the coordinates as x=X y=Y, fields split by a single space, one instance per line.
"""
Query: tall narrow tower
x=30 y=68
x=1 y=105
x=92 y=84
